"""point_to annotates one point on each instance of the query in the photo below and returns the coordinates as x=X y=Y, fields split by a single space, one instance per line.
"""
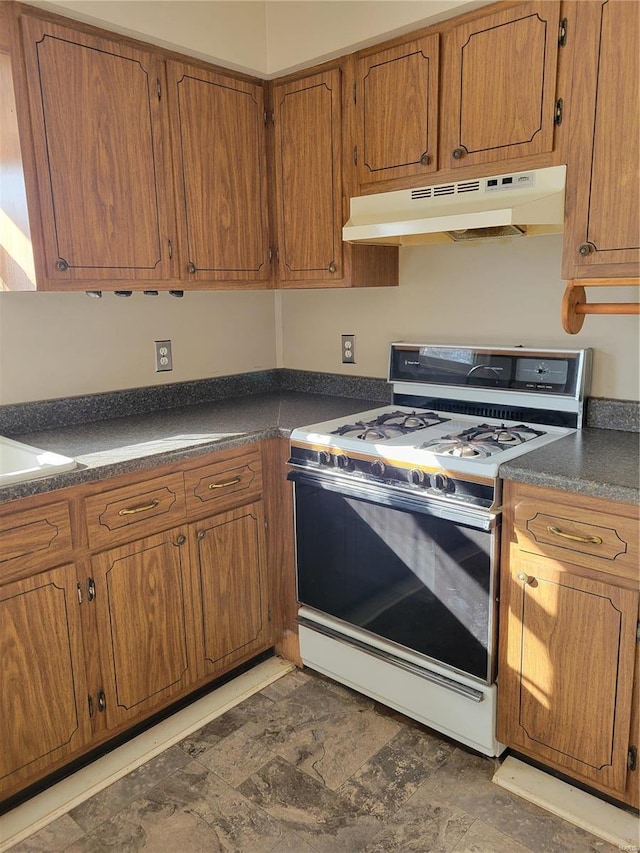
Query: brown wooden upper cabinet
x=307 y=117
x=103 y=175
x=218 y=140
x=499 y=86
x=602 y=229
x=312 y=190
x=396 y=97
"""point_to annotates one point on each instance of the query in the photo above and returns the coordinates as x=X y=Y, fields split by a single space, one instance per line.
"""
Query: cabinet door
x=220 y=162
x=566 y=669
x=308 y=172
x=500 y=81
x=602 y=231
x=230 y=587
x=397 y=112
x=103 y=177
x=144 y=618
x=44 y=714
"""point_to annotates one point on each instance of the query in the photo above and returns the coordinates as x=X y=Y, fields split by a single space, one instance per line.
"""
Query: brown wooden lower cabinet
x=568 y=655
x=43 y=693
x=124 y=628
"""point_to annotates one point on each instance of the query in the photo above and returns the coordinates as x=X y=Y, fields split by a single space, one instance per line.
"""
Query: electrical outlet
x=164 y=359
x=348 y=349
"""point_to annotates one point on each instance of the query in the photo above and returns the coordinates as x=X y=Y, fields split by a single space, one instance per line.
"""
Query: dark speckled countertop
x=602 y=463
x=598 y=462
x=107 y=448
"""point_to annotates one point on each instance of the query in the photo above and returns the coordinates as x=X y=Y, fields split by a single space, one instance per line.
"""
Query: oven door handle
x=386 y=496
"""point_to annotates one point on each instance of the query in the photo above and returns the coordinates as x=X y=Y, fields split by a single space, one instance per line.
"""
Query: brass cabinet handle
x=592 y=540
x=224 y=485
x=424 y=160
x=332 y=267
x=525 y=578
x=132 y=510
x=181 y=539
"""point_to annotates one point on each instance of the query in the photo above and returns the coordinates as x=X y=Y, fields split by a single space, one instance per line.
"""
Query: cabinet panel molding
x=34 y=538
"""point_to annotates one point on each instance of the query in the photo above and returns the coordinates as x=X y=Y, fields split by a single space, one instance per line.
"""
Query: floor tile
x=128 y=789
x=422 y=825
x=304 y=806
x=237 y=822
x=53 y=838
x=396 y=771
x=482 y=838
x=236 y=758
x=226 y=724
x=286 y=685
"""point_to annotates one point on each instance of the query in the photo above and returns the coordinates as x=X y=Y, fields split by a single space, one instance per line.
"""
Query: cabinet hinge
x=562 y=33
x=102 y=701
x=268 y=117
x=269 y=613
x=158 y=89
x=355 y=155
x=355 y=93
x=79 y=588
x=92 y=710
x=557 y=115
x=632 y=758
x=91 y=589
x=638 y=632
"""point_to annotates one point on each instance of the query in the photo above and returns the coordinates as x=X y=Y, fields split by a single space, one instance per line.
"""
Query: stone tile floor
x=307 y=766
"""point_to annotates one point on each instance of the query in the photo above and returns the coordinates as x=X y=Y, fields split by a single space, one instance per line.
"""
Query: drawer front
x=34 y=538
x=224 y=484
x=596 y=540
x=135 y=511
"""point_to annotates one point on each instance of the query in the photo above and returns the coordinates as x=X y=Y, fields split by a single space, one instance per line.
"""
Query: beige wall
x=500 y=292
x=63 y=344
x=263 y=38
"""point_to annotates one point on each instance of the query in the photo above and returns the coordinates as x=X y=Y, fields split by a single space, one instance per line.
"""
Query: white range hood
x=496 y=206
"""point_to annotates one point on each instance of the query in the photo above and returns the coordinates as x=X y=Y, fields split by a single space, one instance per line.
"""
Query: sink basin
x=20 y=462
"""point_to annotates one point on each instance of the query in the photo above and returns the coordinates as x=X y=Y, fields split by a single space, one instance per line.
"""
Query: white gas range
x=398 y=525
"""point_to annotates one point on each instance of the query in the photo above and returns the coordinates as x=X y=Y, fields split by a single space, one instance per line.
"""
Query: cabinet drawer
x=34 y=538
x=596 y=540
x=136 y=510
x=224 y=484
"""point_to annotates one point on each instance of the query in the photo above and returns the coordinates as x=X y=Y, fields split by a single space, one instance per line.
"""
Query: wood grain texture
x=102 y=169
x=500 y=83
x=219 y=147
x=568 y=677
x=231 y=590
x=397 y=106
x=217 y=487
x=308 y=177
x=43 y=692
x=32 y=539
x=144 y=611
x=603 y=173
x=548 y=529
x=135 y=511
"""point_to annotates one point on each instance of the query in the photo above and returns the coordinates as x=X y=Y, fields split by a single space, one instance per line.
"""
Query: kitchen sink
x=20 y=462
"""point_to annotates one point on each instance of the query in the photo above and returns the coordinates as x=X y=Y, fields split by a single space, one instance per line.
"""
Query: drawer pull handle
x=591 y=540
x=132 y=510
x=233 y=482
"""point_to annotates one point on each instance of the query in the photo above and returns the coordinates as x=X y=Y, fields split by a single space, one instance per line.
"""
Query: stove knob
x=442 y=483
x=342 y=461
x=416 y=477
x=378 y=468
x=324 y=457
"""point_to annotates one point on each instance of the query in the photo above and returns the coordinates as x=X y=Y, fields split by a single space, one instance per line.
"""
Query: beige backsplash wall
x=65 y=344
x=501 y=292
x=505 y=292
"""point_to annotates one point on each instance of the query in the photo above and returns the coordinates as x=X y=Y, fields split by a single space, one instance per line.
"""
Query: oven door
x=415 y=572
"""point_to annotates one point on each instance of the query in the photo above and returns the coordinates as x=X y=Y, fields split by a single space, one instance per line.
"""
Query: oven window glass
x=415 y=579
